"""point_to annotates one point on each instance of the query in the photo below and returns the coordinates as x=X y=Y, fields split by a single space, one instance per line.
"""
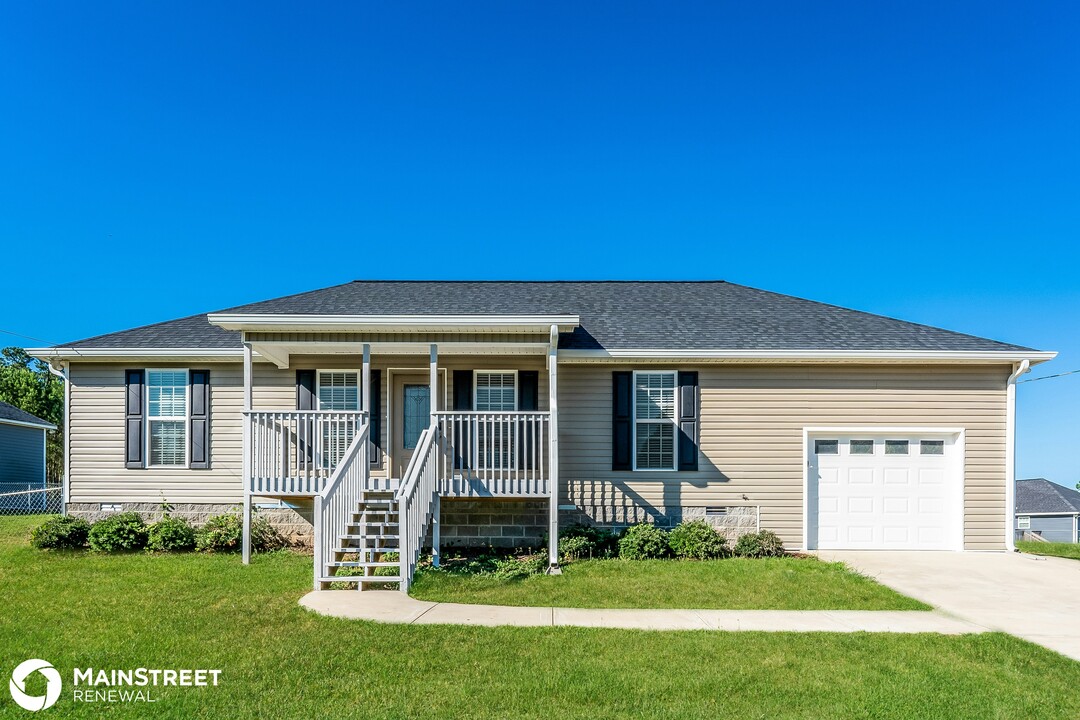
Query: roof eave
x=251 y=322
x=728 y=355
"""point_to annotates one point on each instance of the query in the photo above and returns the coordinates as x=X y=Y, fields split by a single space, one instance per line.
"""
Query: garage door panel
x=884 y=501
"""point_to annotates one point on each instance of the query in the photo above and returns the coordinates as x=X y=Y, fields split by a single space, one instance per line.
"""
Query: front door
x=412 y=413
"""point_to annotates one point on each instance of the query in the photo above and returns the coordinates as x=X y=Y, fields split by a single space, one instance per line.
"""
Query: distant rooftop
x=1039 y=495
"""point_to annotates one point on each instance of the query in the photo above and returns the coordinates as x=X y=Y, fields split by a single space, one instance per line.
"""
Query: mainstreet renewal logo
x=17 y=685
x=119 y=685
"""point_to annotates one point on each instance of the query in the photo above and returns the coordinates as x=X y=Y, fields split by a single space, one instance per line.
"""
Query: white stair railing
x=336 y=503
x=416 y=501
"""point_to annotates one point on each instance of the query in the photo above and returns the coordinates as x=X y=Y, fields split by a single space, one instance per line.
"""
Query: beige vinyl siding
x=752 y=433
x=98 y=474
x=97 y=441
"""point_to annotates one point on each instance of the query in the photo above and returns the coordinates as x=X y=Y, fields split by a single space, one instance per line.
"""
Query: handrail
x=416 y=501
x=337 y=501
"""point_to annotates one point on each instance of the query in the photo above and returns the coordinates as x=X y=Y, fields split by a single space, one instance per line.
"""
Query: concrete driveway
x=1032 y=597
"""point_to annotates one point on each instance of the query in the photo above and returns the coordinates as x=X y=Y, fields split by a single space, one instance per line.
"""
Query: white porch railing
x=416 y=501
x=294 y=452
x=337 y=501
x=491 y=454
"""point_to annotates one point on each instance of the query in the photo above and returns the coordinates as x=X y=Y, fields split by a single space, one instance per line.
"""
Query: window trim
x=674 y=422
x=151 y=418
x=359 y=389
x=476 y=387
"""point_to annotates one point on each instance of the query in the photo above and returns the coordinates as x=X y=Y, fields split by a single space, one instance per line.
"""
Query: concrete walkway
x=389 y=606
x=1033 y=597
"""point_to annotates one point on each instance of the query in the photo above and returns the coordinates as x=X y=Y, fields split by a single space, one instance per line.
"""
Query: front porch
x=375 y=473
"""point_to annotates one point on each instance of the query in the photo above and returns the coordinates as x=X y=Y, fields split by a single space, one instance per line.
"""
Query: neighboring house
x=22 y=460
x=1046 y=509
x=492 y=412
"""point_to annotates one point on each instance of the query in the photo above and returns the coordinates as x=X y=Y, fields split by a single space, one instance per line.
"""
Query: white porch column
x=246 y=547
x=553 y=450
x=434 y=381
x=436 y=531
x=365 y=388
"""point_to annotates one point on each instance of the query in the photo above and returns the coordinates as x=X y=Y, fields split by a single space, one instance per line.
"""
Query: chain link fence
x=26 y=499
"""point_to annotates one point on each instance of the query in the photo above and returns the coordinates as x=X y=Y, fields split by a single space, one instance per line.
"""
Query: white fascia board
x=384 y=323
x=928 y=356
x=62 y=353
x=23 y=423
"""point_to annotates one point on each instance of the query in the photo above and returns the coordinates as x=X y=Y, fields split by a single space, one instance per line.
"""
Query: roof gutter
x=253 y=322
x=719 y=355
x=1010 y=452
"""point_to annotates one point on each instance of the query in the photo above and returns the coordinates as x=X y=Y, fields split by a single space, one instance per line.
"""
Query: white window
x=896 y=447
x=932 y=447
x=1023 y=522
x=337 y=390
x=167 y=415
x=826 y=447
x=495 y=391
x=861 y=447
x=655 y=417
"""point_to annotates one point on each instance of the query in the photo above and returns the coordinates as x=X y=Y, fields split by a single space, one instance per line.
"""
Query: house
x=22 y=460
x=1046 y=510
x=380 y=416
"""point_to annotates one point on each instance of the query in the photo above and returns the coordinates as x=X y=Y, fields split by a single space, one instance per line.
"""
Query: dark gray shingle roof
x=614 y=315
x=10 y=413
x=1038 y=495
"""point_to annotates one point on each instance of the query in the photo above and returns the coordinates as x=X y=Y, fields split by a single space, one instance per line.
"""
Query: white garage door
x=884 y=492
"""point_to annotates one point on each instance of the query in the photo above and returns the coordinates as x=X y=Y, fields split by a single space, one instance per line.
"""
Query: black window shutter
x=375 y=447
x=689 y=420
x=621 y=420
x=200 y=419
x=528 y=400
x=305 y=431
x=135 y=425
x=463 y=401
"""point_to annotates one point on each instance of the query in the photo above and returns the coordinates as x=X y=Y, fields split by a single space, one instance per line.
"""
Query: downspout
x=63 y=372
x=1010 y=453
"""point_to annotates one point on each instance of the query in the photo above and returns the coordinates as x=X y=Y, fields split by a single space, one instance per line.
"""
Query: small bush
x=170 y=534
x=265 y=537
x=116 y=533
x=220 y=533
x=759 y=545
x=513 y=568
x=225 y=533
x=584 y=541
x=644 y=542
x=697 y=540
x=390 y=571
x=575 y=548
x=60 y=533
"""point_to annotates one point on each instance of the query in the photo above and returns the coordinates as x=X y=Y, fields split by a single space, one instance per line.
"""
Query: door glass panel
x=862 y=447
x=416 y=405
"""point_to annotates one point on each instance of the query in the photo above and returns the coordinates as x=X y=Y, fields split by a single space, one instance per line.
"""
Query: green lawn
x=1065 y=550
x=280 y=661
x=735 y=583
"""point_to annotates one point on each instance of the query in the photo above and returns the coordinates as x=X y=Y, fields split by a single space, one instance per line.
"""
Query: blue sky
x=918 y=161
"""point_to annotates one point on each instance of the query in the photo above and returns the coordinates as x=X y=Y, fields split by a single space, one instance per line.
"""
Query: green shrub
x=759 y=545
x=225 y=533
x=697 y=540
x=220 y=533
x=170 y=534
x=514 y=568
x=644 y=542
x=116 y=533
x=60 y=533
x=390 y=571
x=575 y=548
x=582 y=541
